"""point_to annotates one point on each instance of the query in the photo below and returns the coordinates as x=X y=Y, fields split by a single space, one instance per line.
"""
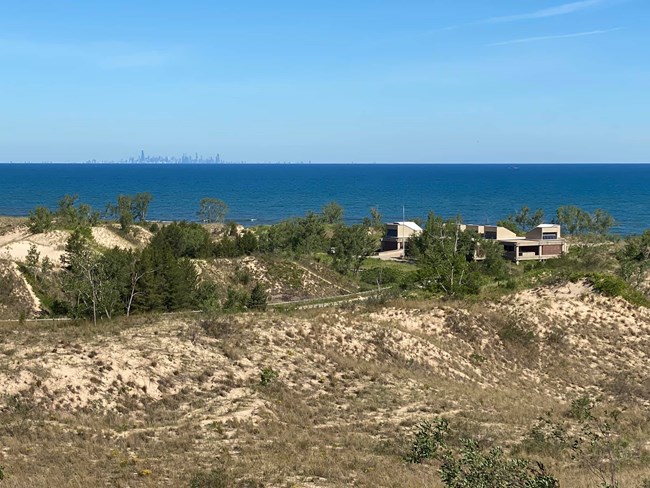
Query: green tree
x=351 y=246
x=443 y=251
x=492 y=265
x=576 y=221
x=82 y=275
x=523 y=221
x=67 y=213
x=601 y=222
x=122 y=211
x=141 y=203
x=258 y=298
x=332 y=213
x=95 y=283
x=40 y=220
x=634 y=258
x=46 y=266
x=212 y=210
x=162 y=281
x=87 y=216
x=207 y=296
x=301 y=235
x=185 y=239
x=573 y=219
x=246 y=243
x=32 y=259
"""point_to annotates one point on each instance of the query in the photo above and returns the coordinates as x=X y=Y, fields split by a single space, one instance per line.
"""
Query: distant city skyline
x=366 y=81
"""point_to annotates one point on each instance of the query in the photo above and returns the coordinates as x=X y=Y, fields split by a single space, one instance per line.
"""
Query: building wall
x=551 y=249
x=389 y=245
x=538 y=232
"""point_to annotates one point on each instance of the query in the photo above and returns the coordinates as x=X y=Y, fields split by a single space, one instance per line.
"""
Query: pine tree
x=258 y=298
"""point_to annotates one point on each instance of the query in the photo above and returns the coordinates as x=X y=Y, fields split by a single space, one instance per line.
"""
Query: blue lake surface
x=481 y=193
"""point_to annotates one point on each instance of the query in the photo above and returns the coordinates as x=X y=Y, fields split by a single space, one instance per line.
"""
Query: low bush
x=614 y=286
x=516 y=334
x=267 y=376
x=429 y=437
x=469 y=466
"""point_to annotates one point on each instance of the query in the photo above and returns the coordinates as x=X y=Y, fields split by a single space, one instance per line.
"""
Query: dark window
x=490 y=235
x=549 y=235
x=391 y=233
x=509 y=247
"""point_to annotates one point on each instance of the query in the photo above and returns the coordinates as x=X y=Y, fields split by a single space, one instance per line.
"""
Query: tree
x=572 y=219
x=301 y=235
x=82 y=279
x=67 y=214
x=492 y=264
x=351 y=245
x=212 y=210
x=40 y=220
x=442 y=250
x=32 y=259
x=332 y=213
x=122 y=210
x=576 y=221
x=375 y=221
x=141 y=203
x=258 y=298
x=185 y=239
x=523 y=220
x=634 y=258
x=161 y=281
x=602 y=222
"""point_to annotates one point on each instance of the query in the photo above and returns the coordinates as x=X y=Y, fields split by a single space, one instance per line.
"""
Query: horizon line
x=303 y=163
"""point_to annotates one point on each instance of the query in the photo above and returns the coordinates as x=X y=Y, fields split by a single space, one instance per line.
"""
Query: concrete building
x=397 y=233
x=543 y=242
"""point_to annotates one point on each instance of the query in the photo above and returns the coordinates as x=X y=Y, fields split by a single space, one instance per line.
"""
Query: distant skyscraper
x=142 y=155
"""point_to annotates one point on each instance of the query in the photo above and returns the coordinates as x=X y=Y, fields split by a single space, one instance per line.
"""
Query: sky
x=328 y=81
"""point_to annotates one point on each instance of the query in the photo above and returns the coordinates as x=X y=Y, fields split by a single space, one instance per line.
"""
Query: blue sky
x=339 y=81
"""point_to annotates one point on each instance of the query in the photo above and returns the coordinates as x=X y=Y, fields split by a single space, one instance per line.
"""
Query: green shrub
x=258 y=298
x=2 y=473
x=40 y=220
x=515 y=334
x=472 y=468
x=429 y=437
x=236 y=300
x=267 y=376
x=614 y=286
x=581 y=408
x=609 y=285
x=381 y=275
x=469 y=466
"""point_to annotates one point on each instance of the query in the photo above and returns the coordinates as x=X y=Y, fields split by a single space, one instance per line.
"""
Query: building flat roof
x=410 y=225
x=537 y=242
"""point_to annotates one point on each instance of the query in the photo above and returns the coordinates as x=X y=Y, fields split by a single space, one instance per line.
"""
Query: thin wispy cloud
x=549 y=38
x=106 y=55
x=558 y=10
x=565 y=9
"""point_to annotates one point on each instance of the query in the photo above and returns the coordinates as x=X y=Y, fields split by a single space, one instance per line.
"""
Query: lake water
x=264 y=193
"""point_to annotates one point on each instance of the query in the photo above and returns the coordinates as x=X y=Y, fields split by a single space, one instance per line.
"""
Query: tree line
x=161 y=277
